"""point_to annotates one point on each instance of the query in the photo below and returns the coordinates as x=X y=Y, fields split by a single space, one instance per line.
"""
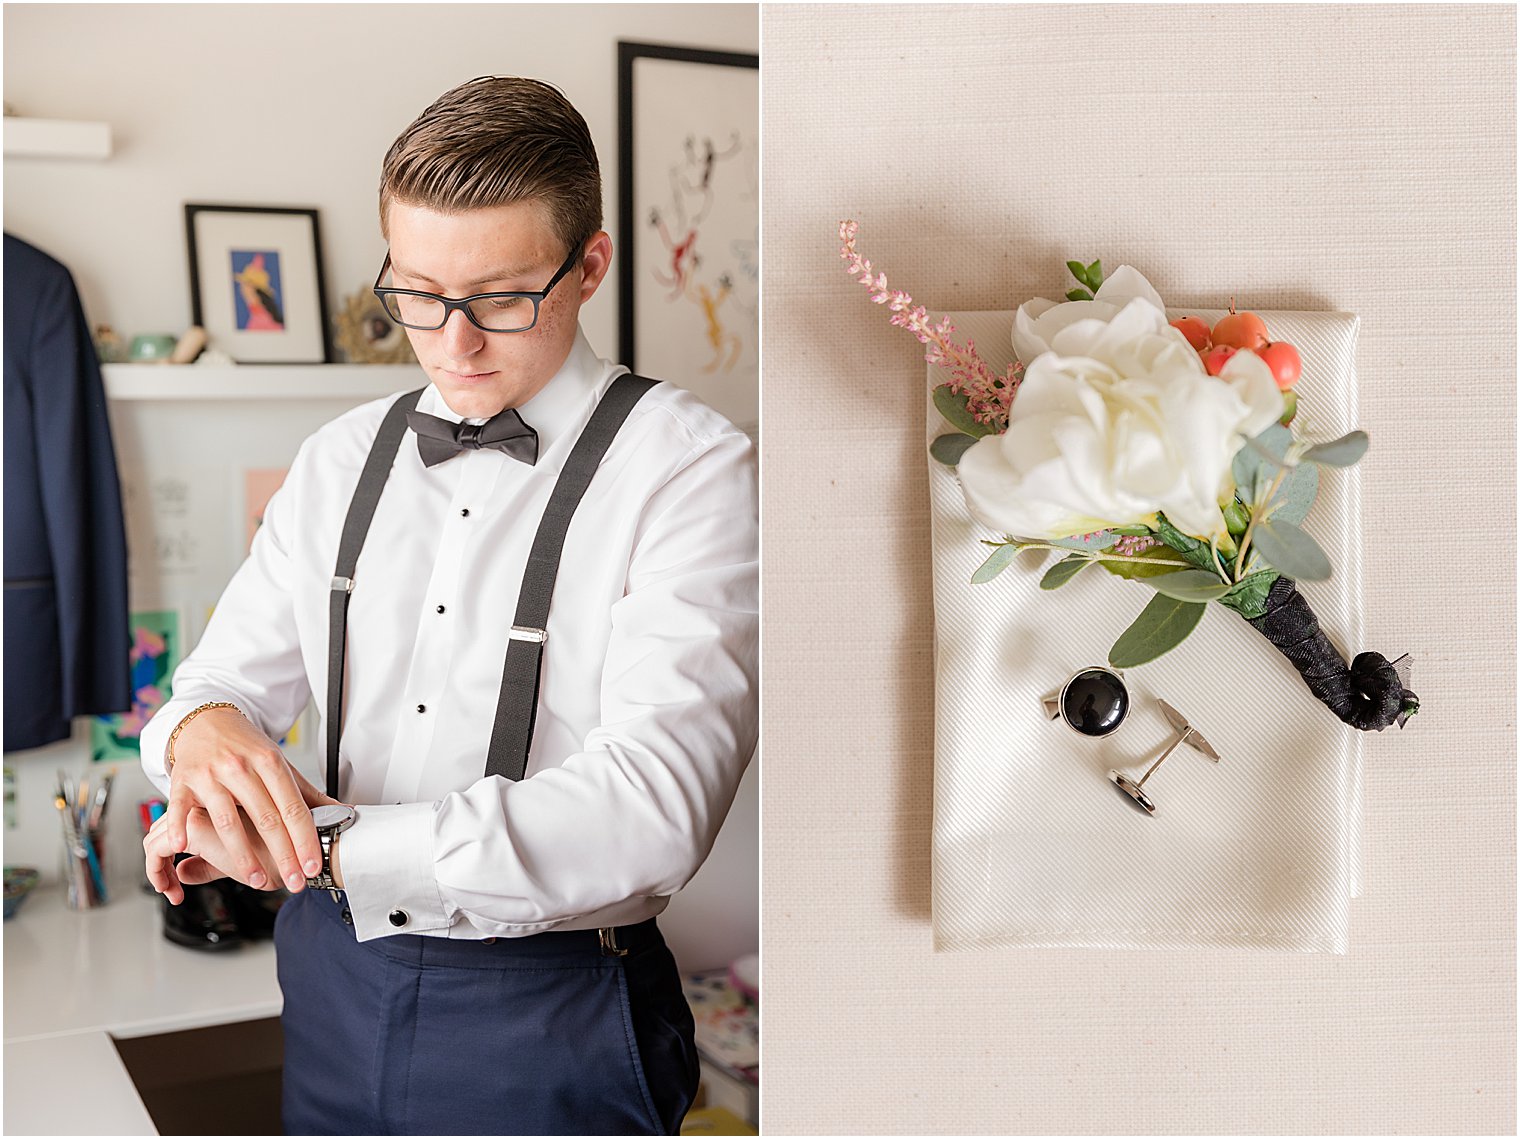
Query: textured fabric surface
x=1033 y=846
x=1357 y=159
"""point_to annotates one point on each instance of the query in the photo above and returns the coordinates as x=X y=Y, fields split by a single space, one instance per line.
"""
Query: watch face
x=331 y=815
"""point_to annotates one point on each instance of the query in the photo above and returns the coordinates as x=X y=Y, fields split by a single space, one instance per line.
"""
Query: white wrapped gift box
x=1033 y=846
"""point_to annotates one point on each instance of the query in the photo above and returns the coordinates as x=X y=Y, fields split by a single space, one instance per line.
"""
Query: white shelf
x=56 y=138
x=349 y=382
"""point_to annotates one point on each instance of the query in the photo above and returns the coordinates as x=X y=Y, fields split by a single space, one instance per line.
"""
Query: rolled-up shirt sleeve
x=634 y=813
x=250 y=653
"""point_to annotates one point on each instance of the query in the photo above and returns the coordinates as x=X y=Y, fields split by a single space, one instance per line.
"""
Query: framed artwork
x=155 y=654
x=689 y=221
x=256 y=283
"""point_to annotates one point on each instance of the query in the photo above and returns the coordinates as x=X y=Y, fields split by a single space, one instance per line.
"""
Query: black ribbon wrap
x=1370 y=695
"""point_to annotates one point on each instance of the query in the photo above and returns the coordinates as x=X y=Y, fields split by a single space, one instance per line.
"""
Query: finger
x=244 y=864
x=269 y=825
x=160 y=871
x=292 y=796
x=196 y=871
x=207 y=844
x=271 y=867
x=158 y=864
x=181 y=799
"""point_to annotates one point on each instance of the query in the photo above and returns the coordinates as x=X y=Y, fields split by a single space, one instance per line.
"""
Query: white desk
x=73 y=981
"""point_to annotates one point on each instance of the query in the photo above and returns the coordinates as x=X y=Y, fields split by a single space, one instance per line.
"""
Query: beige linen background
x=1353 y=158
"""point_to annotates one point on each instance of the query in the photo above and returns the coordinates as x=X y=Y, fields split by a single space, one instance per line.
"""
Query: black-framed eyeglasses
x=489 y=312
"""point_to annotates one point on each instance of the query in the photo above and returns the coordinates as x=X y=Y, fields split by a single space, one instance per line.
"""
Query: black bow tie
x=440 y=439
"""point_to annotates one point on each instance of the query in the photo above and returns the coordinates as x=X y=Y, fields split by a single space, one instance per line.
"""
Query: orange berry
x=1241 y=330
x=1217 y=357
x=1195 y=329
x=1283 y=359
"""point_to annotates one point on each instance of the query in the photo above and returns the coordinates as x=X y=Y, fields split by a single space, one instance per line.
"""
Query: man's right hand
x=222 y=762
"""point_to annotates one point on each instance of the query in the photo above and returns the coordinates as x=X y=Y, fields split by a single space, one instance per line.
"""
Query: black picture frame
x=628 y=51
x=212 y=229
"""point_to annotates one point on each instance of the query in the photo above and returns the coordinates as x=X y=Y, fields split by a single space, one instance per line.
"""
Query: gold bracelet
x=174 y=735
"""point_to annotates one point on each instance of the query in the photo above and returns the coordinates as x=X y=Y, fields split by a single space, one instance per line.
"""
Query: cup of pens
x=82 y=811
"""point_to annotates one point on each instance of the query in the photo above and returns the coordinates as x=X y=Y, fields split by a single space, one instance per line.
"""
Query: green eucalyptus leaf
x=1001 y=559
x=1162 y=625
x=953 y=407
x=1274 y=459
x=1098 y=540
x=1296 y=495
x=1151 y=563
x=1256 y=464
x=1249 y=597
x=948 y=449
x=1290 y=551
x=1346 y=451
x=1078 y=295
x=1256 y=467
x=1190 y=585
x=1095 y=275
x=1064 y=570
x=1079 y=271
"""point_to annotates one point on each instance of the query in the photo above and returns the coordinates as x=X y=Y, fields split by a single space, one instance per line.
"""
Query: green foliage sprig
x=1277 y=480
x=1089 y=277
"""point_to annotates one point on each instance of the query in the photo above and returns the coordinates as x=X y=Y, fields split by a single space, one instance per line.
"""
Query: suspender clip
x=525 y=633
x=607 y=936
x=346 y=584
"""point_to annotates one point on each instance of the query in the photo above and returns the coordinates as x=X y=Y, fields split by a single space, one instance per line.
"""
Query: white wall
x=296 y=105
x=286 y=104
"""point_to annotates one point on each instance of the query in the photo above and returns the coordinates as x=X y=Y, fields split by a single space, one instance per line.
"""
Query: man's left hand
x=209 y=853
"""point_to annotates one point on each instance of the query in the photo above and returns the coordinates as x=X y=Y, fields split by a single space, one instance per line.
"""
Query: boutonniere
x=1167 y=452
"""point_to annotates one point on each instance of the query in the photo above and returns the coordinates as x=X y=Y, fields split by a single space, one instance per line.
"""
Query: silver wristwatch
x=331 y=819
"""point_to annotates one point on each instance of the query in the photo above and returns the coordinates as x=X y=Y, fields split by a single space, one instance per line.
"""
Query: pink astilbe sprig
x=988 y=396
x=1132 y=545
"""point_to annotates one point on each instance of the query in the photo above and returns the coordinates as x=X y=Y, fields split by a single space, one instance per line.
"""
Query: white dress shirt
x=647 y=709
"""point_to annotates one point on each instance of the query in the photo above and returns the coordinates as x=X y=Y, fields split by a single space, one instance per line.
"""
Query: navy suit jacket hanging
x=66 y=622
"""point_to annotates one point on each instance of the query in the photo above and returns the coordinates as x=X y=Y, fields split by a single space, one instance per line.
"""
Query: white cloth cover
x=1033 y=846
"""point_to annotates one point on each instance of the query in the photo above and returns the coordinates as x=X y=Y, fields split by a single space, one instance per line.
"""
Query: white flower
x=1037 y=322
x=1116 y=419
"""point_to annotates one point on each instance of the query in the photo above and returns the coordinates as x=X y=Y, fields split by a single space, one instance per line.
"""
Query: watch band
x=326 y=834
x=323 y=880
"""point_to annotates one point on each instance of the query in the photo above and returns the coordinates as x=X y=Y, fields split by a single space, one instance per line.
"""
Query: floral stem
x=1217 y=563
x=1094 y=557
x=1245 y=542
x=988 y=395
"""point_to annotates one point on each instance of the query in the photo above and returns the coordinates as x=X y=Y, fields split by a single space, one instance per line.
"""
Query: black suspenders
x=517 y=705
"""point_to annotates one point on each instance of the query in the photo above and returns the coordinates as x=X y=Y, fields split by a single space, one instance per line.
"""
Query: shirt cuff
x=388 y=871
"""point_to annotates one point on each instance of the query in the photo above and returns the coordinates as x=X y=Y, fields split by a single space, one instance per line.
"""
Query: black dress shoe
x=253 y=911
x=202 y=921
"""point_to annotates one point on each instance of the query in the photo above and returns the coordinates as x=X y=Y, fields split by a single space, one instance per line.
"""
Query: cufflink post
x=1186 y=733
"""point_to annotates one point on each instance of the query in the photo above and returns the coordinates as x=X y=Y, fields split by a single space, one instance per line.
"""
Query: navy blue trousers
x=540 y=1035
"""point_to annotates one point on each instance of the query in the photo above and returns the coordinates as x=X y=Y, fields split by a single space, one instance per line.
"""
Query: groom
x=527 y=595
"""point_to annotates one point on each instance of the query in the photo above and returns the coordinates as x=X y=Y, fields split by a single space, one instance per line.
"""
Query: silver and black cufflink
x=1093 y=702
x=1187 y=734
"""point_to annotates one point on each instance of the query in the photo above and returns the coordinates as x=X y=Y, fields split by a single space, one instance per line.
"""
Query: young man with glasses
x=515 y=788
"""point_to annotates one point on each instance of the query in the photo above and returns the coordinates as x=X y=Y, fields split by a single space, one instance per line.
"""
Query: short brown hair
x=493 y=141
